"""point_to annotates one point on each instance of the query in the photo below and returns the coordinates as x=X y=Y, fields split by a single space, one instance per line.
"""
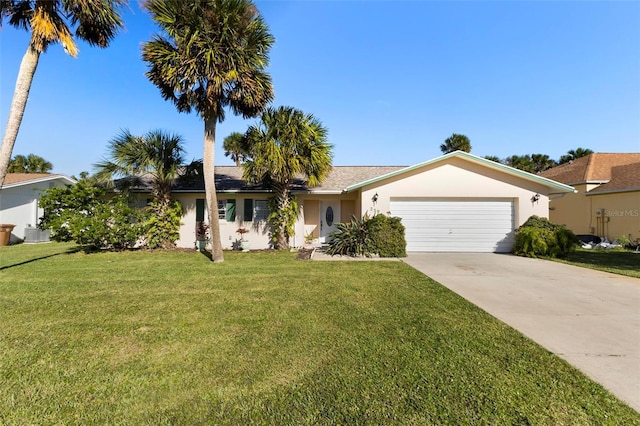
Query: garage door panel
x=456 y=226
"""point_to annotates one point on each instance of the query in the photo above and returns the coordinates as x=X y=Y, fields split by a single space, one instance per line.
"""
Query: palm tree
x=30 y=164
x=157 y=154
x=573 y=154
x=286 y=144
x=541 y=162
x=233 y=147
x=456 y=142
x=212 y=55
x=50 y=22
x=521 y=162
x=493 y=158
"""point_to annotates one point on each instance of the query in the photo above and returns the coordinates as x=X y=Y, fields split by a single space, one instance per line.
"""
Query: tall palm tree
x=285 y=145
x=521 y=162
x=50 y=22
x=157 y=154
x=572 y=154
x=30 y=164
x=456 y=142
x=234 y=148
x=212 y=55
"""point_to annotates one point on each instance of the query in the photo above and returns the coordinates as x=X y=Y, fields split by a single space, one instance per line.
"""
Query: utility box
x=35 y=235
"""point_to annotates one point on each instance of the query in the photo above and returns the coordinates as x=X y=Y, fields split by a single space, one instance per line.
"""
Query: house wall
x=19 y=206
x=619 y=213
x=458 y=179
x=575 y=211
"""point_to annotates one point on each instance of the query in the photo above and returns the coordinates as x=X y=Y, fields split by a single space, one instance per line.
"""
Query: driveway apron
x=589 y=318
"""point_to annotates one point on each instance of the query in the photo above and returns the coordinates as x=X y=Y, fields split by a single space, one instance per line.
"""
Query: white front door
x=329 y=216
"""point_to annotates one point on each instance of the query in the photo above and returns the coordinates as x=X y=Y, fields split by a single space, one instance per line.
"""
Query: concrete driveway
x=589 y=318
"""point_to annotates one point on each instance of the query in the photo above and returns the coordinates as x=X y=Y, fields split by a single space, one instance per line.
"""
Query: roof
x=593 y=168
x=623 y=178
x=555 y=187
x=17 y=179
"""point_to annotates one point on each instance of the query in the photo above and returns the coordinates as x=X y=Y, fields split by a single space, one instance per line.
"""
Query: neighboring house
x=457 y=202
x=607 y=202
x=19 y=200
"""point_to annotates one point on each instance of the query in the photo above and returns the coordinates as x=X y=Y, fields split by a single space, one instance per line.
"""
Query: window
x=256 y=210
x=227 y=210
x=261 y=210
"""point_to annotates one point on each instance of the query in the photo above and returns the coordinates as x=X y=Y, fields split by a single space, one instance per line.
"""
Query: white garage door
x=456 y=226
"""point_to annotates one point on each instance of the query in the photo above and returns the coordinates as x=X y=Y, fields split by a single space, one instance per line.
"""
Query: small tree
x=573 y=154
x=235 y=148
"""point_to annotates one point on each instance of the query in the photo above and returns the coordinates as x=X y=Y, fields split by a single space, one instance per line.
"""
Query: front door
x=329 y=216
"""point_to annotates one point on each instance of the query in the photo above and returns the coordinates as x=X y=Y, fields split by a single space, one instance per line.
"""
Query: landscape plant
x=211 y=55
x=539 y=237
x=378 y=235
x=286 y=145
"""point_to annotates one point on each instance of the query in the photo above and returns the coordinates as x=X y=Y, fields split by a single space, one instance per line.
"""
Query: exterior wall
x=459 y=180
x=575 y=211
x=619 y=213
x=19 y=206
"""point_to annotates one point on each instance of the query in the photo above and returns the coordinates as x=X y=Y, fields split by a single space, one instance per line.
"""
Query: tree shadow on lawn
x=35 y=259
x=624 y=260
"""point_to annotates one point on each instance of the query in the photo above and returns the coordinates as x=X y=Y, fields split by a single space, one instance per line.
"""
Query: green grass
x=616 y=261
x=169 y=338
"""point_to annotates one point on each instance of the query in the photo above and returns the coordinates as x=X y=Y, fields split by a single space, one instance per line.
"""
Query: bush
x=162 y=226
x=540 y=237
x=386 y=236
x=379 y=235
x=351 y=239
x=82 y=213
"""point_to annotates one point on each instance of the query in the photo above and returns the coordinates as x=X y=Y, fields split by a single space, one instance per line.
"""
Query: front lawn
x=169 y=338
x=623 y=262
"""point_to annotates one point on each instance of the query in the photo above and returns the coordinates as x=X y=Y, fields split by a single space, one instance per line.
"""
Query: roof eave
x=68 y=180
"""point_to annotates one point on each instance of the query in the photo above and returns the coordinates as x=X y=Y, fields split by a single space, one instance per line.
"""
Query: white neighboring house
x=19 y=200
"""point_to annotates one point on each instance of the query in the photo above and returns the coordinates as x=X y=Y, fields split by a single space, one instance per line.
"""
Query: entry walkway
x=589 y=318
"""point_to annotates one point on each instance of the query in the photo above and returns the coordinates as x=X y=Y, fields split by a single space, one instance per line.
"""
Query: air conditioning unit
x=35 y=235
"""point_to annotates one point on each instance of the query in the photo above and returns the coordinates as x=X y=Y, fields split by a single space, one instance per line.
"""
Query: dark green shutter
x=199 y=209
x=248 y=209
x=231 y=211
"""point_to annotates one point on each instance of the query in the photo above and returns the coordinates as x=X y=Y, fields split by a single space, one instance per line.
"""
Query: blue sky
x=389 y=79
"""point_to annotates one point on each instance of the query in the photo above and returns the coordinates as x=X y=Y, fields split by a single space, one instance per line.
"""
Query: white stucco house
x=457 y=202
x=19 y=201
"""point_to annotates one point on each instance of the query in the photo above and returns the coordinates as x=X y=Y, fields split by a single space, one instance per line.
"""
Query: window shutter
x=199 y=209
x=248 y=209
x=231 y=211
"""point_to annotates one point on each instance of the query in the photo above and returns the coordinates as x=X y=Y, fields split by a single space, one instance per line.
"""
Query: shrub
x=82 y=214
x=351 y=239
x=540 y=237
x=379 y=235
x=386 y=236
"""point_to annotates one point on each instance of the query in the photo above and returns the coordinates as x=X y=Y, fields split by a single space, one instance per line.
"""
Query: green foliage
x=60 y=205
x=387 y=236
x=456 y=142
x=30 y=164
x=282 y=219
x=162 y=227
x=81 y=213
x=351 y=239
x=540 y=237
x=379 y=235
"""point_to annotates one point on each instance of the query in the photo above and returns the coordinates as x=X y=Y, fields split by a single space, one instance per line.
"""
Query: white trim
x=40 y=180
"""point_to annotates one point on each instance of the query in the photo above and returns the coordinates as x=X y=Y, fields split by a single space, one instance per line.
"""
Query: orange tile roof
x=597 y=167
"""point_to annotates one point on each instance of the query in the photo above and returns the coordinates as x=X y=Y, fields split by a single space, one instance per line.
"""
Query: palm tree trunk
x=282 y=200
x=210 y=186
x=20 y=95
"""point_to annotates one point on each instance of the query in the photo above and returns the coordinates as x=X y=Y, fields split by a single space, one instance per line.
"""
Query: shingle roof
x=16 y=179
x=596 y=168
x=623 y=178
x=229 y=179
